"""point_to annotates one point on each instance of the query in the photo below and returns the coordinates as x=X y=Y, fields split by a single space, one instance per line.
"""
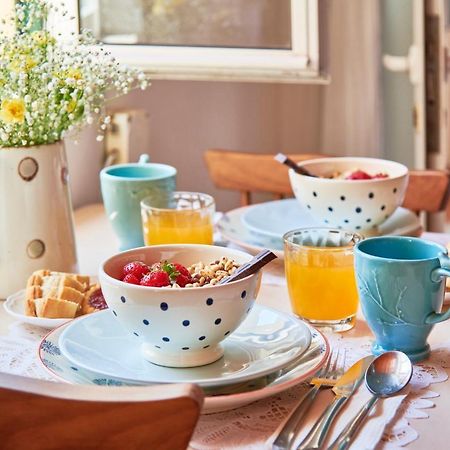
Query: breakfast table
x=416 y=418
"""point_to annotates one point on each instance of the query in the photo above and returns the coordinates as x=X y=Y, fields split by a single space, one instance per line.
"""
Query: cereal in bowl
x=175 y=275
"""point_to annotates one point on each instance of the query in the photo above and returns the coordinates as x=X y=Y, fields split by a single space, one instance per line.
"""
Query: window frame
x=304 y=62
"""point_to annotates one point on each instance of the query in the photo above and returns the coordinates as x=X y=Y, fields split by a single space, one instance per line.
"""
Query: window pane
x=221 y=23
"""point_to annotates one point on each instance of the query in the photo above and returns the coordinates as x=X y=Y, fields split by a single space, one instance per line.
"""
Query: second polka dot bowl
x=178 y=327
x=354 y=205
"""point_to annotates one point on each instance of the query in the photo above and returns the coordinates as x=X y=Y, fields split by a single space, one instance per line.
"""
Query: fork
x=325 y=377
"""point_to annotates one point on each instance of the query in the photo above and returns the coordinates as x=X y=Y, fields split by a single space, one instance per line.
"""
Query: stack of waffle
x=58 y=295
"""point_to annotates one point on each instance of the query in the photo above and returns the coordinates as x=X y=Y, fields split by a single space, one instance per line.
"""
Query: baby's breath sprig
x=50 y=88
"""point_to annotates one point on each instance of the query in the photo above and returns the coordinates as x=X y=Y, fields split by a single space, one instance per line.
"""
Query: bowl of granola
x=352 y=193
x=170 y=299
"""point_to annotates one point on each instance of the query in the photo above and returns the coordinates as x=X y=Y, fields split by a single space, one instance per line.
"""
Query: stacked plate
x=270 y=352
x=263 y=225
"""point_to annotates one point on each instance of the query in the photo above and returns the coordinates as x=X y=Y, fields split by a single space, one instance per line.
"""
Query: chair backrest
x=251 y=172
x=255 y=172
x=38 y=415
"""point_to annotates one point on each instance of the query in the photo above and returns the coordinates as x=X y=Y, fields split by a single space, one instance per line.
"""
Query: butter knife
x=343 y=389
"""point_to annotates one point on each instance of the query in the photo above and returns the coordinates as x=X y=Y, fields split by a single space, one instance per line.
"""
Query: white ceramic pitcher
x=36 y=225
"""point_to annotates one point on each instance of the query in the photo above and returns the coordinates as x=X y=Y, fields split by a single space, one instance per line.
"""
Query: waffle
x=55 y=294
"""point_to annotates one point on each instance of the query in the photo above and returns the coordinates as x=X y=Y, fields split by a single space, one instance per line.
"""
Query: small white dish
x=217 y=399
x=266 y=341
x=15 y=307
x=268 y=234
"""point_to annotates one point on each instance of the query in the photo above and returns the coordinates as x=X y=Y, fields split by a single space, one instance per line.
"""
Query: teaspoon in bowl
x=388 y=374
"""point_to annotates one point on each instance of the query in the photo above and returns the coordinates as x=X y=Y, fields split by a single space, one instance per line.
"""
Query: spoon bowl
x=386 y=375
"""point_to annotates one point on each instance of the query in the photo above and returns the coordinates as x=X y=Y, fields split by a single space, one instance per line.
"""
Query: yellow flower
x=22 y=63
x=12 y=110
x=71 y=106
x=74 y=73
x=42 y=38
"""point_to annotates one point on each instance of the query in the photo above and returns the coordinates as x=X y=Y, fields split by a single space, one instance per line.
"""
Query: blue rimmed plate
x=217 y=399
x=266 y=341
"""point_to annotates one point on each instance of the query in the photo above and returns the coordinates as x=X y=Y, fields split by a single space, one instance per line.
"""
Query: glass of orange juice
x=320 y=276
x=178 y=218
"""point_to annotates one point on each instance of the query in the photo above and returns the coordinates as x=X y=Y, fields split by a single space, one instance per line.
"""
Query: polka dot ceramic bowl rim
x=354 y=205
x=180 y=327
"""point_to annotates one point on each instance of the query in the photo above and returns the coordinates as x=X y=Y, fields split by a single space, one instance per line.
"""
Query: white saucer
x=265 y=224
x=266 y=341
x=217 y=399
x=15 y=307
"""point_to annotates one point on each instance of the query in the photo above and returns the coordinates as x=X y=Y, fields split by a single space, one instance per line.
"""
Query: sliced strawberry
x=137 y=268
x=156 y=279
x=131 y=279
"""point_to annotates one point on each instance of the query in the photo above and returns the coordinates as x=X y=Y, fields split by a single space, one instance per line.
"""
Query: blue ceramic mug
x=124 y=186
x=401 y=284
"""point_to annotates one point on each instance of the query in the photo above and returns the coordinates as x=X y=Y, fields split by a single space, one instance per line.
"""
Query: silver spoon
x=283 y=159
x=388 y=374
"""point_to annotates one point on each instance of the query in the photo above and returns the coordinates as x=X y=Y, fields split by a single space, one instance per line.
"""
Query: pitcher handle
x=436 y=275
x=144 y=159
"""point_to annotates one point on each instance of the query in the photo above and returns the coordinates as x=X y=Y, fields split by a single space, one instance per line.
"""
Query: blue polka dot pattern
x=157 y=346
x=227 y=333
x=114 y=313
x=186 y=323
x=202 y=338
x=74 y=368
x=368 y=220
x=346 y=221
x=383 y=207
x=343 y=198
x=164 y=306
x=206 y=346
x=394 y=190
x=123 y=299
x=330 y=209
x=358 y=209
x=217 y=321
x=315 y=193
x=371 y=195
x=165 y=339
x=308 y=206
x=146 y=322
x=243 y=294
x=134 y=332
x=185 y=348
x=209 y=301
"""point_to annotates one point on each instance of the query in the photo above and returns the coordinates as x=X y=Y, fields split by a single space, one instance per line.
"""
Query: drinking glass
x=178 y=218
x=320 y=276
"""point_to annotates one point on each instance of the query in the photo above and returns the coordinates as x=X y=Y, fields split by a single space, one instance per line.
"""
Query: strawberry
x=131 y=279
x=358 y=175
x=183 y=280
x=156 y=279
x=182 y=269
x=137 y=268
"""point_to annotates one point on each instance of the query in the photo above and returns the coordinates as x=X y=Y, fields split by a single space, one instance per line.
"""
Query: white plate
x=266 y=341
x=15 y=307
x=402 y=223
x=217 y=399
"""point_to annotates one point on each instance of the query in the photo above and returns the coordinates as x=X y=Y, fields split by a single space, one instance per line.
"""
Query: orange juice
x=178 y=227
x=321 y=278
x=322 y=293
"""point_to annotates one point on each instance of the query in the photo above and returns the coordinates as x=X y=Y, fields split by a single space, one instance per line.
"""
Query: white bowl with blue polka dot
x=178 y=327
x=355 y=205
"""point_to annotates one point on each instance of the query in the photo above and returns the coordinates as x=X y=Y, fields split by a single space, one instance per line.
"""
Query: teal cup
x=123 y=187
x=401 y=285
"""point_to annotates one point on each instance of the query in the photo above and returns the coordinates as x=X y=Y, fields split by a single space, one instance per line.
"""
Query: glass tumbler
x=178 y=218
x=321 y=277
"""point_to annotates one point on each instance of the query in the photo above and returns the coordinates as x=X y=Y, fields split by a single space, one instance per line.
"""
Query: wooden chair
x=428 y=190
x=38 y=415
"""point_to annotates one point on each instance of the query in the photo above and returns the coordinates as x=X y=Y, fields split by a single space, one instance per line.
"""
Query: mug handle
x=144 y=159
x=436 y=275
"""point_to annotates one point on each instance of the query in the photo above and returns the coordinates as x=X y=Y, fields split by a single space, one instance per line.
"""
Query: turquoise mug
x=123 y=187
x=401 y=285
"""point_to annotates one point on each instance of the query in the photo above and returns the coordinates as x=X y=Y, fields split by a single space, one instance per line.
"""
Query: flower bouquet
x=49 y=88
